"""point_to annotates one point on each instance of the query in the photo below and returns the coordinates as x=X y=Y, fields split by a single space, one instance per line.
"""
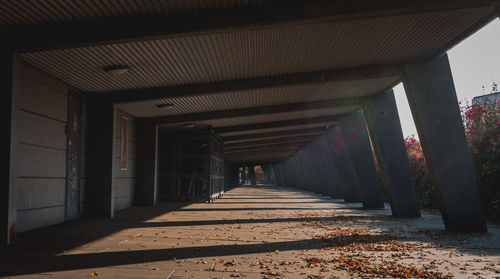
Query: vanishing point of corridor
x=254 y=232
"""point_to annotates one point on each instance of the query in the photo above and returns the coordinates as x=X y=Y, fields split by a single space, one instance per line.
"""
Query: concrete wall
x=41 y=170
x=124 y=180
x=42 y=145
x=83 y=158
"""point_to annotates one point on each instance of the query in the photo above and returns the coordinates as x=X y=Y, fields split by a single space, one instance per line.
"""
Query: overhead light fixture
x=164 y=105
x=188 y=125
x=116 y=70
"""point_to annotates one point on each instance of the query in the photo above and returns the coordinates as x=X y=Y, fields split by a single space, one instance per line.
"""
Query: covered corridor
x=127 y=122
x=253 y=232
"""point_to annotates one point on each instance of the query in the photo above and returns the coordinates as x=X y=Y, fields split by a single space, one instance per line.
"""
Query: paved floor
x=261 y=232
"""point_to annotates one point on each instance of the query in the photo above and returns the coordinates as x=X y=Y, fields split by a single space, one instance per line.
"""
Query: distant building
x=493 y=97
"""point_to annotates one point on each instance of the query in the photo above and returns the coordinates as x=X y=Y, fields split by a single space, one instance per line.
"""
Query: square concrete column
x=251 y=173
x=329 y=171
x=305 y=172
x=277 y=175
x=309 y=171
x=314 y=172
x=147 y=163
x=299 y=173
x=363 y=164
x=320 y=169
x=387 y=138
x=281 y=175
x=267 y=172
x=431 y=93
x=288 y=169
x=302 y=171
x=274 y=174
x=292 y=165
x=9 y=88
x=99 y=196
x=292 y=174
x=340 y=158
x=285 y=172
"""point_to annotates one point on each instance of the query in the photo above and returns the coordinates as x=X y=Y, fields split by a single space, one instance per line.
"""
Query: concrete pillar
x=283 y=174
x=147 y=163
x=340 y=158
x=302 y=171
x=99 y=196
x=387 y=138
x=9 y=88
x=234 y=179
x=251 y=173
x=312 y=170
x=287 y=169
x=360 y=153
x=317 y=168
x=307 y=175
x=272 y=175
x=279 y=174
x=266 y=172
x=292 y=161
x=298 y=177
x=433 y=102
x=329 y=171
x=299 y=172
x=276 y=174
x=303 y=179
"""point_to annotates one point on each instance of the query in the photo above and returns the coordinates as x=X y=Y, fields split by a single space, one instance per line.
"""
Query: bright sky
x=474 y=62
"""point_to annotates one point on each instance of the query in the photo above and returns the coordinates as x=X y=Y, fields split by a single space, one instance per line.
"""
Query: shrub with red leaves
x=482 y=130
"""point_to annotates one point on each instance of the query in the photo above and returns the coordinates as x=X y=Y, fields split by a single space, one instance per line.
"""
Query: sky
x=475 y=62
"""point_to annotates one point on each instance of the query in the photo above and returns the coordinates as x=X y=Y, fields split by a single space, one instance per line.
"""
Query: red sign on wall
x=124 y=144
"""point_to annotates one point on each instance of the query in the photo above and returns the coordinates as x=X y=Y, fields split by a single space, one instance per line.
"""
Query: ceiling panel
x=258 y=52
x=273 y=130
x=259 y=97
x=282 y=116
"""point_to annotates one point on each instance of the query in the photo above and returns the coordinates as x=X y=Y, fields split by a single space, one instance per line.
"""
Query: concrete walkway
x=261 y=232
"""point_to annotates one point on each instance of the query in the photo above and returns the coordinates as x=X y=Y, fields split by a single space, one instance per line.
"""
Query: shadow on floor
x=270 y=208
x=43 y=250
x=53 y=263
x=261 y=221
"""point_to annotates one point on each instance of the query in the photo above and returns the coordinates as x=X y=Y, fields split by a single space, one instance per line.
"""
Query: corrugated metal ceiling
x=258 y=156
x=238 y=54
x=227 y=122
x=259 y=97
x=259 y=52
x=283 y=137
x=277 y=129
